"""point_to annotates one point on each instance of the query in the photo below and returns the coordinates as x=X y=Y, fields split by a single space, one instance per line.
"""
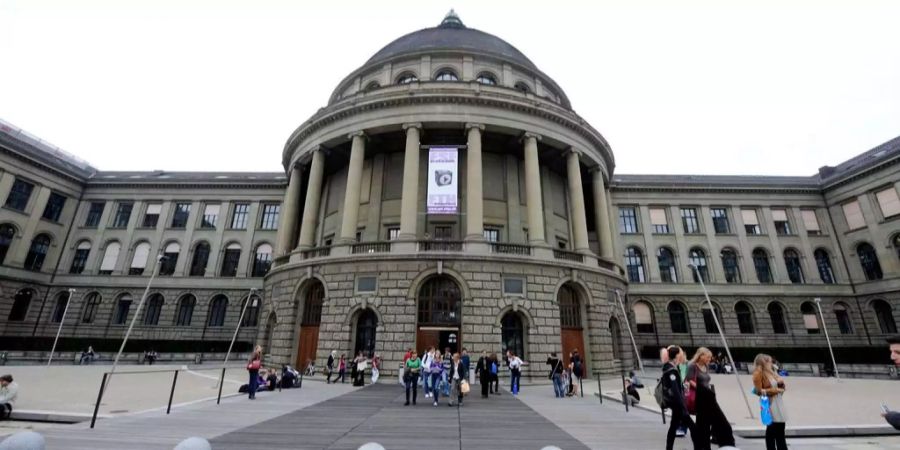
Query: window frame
x=92 y=218
x=240 y=212
x=624 y=218
x=690 y=220
x=122 y=216
x=56 y=202
x=181 y=215
x=268 y=220
x=718 y=219
x=18 y=199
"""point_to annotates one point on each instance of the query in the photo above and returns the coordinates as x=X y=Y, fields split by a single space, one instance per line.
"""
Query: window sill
x=788 y=235
x=207 y=228
x=636 y=233
x=663 y=234
x=144 y=228
x=757 y=235
x=54 y=222
x=726 y=234
x=23 y=212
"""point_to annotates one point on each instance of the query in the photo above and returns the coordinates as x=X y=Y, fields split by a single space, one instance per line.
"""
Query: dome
x=452 y=35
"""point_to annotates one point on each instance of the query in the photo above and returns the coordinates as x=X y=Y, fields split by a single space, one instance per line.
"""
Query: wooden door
x=572 y=339
x=427 y=338
x=306 y=350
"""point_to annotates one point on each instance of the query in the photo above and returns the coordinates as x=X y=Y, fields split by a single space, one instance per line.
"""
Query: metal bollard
x=221 y=382
x=172 y=392
x=599 y=388
x=300 y=383
x=624 y=393
x=99 y=398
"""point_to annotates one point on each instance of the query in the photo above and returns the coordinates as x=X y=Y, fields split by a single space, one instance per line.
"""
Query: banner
x=442 y=181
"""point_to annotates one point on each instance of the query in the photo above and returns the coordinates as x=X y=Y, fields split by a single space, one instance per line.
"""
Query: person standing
x=459 y=374
x=376 y=366
x=360 y=364
x=483 y=371
x=464 y=357
x=342 y=369
x=447 y=361
x=893 y=417
x=767 y=382
x=9 y=390
x=673 y=393
x=437 y=374
x=495 y=375
x=577 y=371
x=354 y=363
x=329 y=367
x=427 y=359
x=515 y=372
x=556 y=371
x=411 y=374
x=709 y=413
x=403 y=366
x=253 y=366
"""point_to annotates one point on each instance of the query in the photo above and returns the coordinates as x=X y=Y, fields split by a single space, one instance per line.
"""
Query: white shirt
x=515 y=362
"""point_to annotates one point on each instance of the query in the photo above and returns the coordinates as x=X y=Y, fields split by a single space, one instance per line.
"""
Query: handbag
x=464 y=387
x=690 y=396
x=254 y=365
x=765 y=410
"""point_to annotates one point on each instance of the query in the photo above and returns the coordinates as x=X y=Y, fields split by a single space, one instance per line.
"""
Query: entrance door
x=308 y=343
x=439 y=338
x=439 y=315
x=572 y=339
x=571 y=331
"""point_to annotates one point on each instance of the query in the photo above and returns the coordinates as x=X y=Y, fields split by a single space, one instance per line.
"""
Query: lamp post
x=722 y=335
x=827 y=339
x=637 y=354
x=61 y=322
x=250 y=298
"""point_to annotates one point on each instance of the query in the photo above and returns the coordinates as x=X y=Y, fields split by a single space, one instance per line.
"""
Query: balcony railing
x=511 y=249
x=318 y=252
x=568 y=256
x=370 y=247
x=440 y=246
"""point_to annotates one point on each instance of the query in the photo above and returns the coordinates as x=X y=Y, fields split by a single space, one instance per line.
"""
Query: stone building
x=447 y=195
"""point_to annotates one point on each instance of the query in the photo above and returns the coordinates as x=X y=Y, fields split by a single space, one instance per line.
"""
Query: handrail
x=317 y=252
x=370 y=247
x=567 y=255
x=511 y=249
x=440 y=246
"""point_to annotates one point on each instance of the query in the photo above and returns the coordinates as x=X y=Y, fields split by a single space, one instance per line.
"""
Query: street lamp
x=722 y=335
x=827 y=339
x=637 y=354
x=250 y=298
x=61 y=322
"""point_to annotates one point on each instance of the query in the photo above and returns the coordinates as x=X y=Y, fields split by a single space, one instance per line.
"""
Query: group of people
x=566 y=378
x=338 y=368
x=438 y=373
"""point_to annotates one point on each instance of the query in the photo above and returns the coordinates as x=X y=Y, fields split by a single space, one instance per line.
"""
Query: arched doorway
x=512 y=332
x=616 y=334
x=267 y=336
x=366 y=324
x=571 y=328
x=439 y=314
x=309 y=324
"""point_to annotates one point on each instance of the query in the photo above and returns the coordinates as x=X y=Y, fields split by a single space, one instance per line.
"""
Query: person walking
x=464 y=357
x=354 y=364
x=709 y=413
x=682 y=365
x=329 y=367
x=495 y=375
x=459 y=374
x=376 y=366
x=253 y=366
x=673 y=393
x=556 y=371
x=515 y=372
x=403 y=366
x=483 y=371
x=447 y=361
x=342 y=369
x=437 y=374
x=767 y=382
x=411 y=376
x=893 y=417
x=9 y=391
x=577 y=371
x=427 y=359
x=361 y=364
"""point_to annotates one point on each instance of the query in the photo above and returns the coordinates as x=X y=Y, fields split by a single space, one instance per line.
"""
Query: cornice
x=716 y=189
x=862 y=173
x=280 y=186
x=44 y=167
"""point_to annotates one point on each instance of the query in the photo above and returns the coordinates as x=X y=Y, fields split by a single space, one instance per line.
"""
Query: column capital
x=574 y=151
x=359 y=133
x=530 y=135
x=417 y=125
x=470 y=125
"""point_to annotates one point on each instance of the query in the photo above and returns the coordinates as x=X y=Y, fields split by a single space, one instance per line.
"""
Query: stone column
x=311 y=206
x=601 y=215
x=351 y=194
x=287 y=231
x=409 y=210
x=576 y=196
x=533 y=192
x=474 y=194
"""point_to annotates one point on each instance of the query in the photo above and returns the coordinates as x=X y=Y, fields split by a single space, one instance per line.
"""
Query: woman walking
x=495 y=376
x=342 y=369
x=253 y=366
x=515 y=372
x=483 y=370
x=709 y=414
x=673 y=385
x=329 y=367
x=411 y=377
x=459 y=375
x=767 y=382
x=437 y=374
x=556 y=371
x=376 y=366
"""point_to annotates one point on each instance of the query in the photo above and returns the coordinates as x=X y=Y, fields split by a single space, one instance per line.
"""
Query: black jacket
x=556 y=366
x=462 y=370
x=673 y=388
x=483 y=368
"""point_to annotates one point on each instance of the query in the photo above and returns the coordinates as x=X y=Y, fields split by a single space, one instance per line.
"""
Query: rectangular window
x=492 y=235
x=182 y=212
x=151 y=216
x=659 y=221
x=270 y=217
x=888 y=202
x=95 y=212
x=811 y=222
x=393 y=233
x=689 y=220
x=239 y=216
x=359 y=234
x=751 y=221
x=720 y=220
x=54 y=207
x=627 y=220
x=123 y=215
x=513 y=286
x=782 y=225
x=19 y=195
x=561 y=243
x=210 y=216
x=366 y=284
x=328 y=240
x=443 y=233
x=854 y=215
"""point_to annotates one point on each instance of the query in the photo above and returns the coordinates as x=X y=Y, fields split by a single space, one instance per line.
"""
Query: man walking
x=893 y=417
x=483 y=371
x=673 y=395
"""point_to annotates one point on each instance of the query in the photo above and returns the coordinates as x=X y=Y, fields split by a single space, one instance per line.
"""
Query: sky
x=692 y=87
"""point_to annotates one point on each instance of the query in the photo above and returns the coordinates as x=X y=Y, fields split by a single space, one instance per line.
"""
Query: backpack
x=660 y=394
x=494 y=368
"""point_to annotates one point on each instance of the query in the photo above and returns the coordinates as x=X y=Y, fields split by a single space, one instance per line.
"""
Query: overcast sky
x=755 y=87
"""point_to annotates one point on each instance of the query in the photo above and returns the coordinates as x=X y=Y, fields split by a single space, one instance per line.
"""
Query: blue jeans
x=436 y=385
x=445 y=384
x=558 y=387
x=514 y=377
x=254 y=382
x=426 y=381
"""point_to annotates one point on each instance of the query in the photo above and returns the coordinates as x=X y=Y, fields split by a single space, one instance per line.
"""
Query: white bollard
x=193 y=443
x=371 y=446
x=24 y=440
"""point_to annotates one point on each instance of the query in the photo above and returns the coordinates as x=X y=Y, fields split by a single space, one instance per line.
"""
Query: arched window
x=217 y=308
x=512 y=333
x=154 y=308
x=446 y=75
x=678 y=317
x=730 y=266
x=885 y=315
x=744 y=317
x=486 y=78
x=185 y=310
x=634 y=263
x=262 y=260
x=869 y=262
x=522 y=87
x=110 y=258
x=895 y=242
x=200 y=259
x=761 y=263
x=312 y=310
x=37 y=252
x=569 y=308
x=439 y=302
x=810 y=318
x=792 y=263
x=708 y=321
x=230 y=260
x=776 y=315
x=371 y=86
x=123 y=305
x=667 y=272
x=7 y=232
x=823 y=263
x=170 y=258
x=79 y=260
x=842 y=315
x=91 y=304
x=59 y=310
x=643 y=317
x=366 y=329
x=698 y=259
x=616 y=334
x=407 y=77
x=251 y=314
x=139 y=260
x=21 y=302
